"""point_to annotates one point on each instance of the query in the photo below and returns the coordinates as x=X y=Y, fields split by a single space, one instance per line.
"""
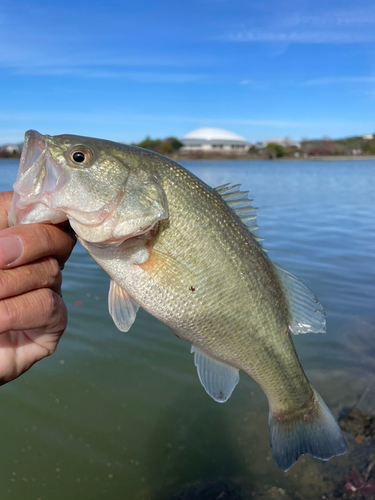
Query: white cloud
x=28 y=61
x=140 y=77
x=255 y=84
x=332 y=80
x=303 y=37
x=15 y=56
x=324 y=27
x=331 y=18
x=261 y=123
x=118 y=116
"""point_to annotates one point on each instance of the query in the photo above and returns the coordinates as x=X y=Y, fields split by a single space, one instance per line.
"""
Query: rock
x=208 y=490
x=358 y=424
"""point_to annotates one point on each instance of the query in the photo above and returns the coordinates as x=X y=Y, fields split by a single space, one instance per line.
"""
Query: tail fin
x=312 y=432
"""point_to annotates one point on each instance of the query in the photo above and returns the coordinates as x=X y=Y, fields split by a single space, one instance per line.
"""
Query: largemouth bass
x=190 y=255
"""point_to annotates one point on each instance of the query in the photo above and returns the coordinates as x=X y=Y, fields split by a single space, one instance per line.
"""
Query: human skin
x=32 y=312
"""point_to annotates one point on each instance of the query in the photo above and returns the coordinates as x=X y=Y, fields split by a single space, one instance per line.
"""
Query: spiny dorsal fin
x=239 y=202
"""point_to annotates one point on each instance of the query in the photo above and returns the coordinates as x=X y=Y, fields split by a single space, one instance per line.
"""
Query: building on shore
x=12 y=148
x=285 y=142
x=214 y=140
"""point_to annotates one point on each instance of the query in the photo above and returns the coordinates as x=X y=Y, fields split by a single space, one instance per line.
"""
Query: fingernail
x=11 y=249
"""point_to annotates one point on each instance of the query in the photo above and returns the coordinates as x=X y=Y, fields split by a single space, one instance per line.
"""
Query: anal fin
x=121 y=307
x=217 y=378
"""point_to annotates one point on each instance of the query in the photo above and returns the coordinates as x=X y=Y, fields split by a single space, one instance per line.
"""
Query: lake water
x=123 y=416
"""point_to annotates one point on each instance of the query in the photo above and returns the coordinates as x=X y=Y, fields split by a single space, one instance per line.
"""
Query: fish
x=191 y=256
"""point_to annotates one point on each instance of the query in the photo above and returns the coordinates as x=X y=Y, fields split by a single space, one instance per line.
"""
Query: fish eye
x=80 y=156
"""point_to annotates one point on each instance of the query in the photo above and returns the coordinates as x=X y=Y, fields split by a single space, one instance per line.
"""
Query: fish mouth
x=37 y=179
x=42 y=190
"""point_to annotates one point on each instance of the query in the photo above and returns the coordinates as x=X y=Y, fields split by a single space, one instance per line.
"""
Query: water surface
x=123 y=415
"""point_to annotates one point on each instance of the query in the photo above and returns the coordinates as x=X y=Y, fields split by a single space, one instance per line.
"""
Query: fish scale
x=191 y=256
x=231 y=267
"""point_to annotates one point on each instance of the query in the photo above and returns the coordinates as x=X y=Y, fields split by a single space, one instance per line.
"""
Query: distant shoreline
x=255 y=158
x=284 y=158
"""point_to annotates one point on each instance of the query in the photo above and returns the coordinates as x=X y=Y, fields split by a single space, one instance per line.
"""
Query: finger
x=26 y=243
x=39 y=309
x=44 y=273
x=5 y=199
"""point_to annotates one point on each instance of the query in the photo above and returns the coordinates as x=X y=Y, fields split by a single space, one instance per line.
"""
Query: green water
x=123 y=415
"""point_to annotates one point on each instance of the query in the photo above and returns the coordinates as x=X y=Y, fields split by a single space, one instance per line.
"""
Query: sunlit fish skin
x=188 y=254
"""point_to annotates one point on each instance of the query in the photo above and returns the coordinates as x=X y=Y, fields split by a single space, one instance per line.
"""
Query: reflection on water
x=123 y=415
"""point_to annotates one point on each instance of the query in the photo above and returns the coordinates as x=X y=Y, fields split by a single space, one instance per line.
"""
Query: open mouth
x=44 y=191
x=39 y=194
x=36 y=180
x=49 y=190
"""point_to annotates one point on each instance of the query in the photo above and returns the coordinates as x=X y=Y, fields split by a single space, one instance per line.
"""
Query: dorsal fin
x=239 y=202
x=306 y=313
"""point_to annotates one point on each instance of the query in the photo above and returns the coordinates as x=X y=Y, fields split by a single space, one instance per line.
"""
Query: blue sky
x=126 y=69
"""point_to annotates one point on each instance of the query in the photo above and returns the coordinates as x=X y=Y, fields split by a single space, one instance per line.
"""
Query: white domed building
x=214 y=140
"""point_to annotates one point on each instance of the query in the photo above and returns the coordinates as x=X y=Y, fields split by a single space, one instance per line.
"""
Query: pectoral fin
x=217 y=378
x=122 y=307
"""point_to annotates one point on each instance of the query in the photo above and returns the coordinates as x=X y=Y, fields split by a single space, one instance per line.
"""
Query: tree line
x=170 y=146
x=163 y=146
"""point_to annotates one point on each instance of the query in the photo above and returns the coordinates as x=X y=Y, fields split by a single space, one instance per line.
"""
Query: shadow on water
x=359 y=341
x=199 y=455
x=216 y=467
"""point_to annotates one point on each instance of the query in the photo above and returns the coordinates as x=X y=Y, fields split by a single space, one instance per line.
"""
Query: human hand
x=32 y=313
